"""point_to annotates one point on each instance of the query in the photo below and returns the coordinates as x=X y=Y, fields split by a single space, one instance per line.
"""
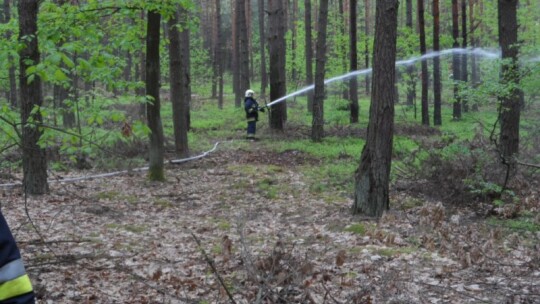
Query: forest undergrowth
x=245 y=225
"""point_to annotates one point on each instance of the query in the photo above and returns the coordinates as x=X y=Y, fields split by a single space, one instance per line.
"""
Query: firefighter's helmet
x=250 y=93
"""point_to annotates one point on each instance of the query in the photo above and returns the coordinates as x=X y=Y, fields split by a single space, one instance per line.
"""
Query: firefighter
x=252 y=114
x=15 y=285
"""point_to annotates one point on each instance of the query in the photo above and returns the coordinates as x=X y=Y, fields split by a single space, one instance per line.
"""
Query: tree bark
x=216 y=43
x=317 y=125
x=411 y=70
x=34 y=160
x=464 y=74
x=238 y=97
x=243 y=52
x=366 y=44
x=422 y=29
x=262 y=47
x=177 y=94
x=509 y=109
x=185 y=52
x=372 y=177
x=219 y=55
x=294 y=69
x=309 y=53
x=153 y=106
x=437 y=119
x=276 y=18
x=456 y=71
x=353 y=82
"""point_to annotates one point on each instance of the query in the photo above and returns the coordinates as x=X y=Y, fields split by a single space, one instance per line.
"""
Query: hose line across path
x=80 y=178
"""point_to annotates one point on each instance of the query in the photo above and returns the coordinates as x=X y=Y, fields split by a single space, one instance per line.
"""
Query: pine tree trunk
x=411 y=70
x=276 y=18
x=475 y=72
x=219 y=55
x=510 y=108
x=262 y=49
x=353 y=82
x=294 y=70
x=317 y=125
x=422 y=28
x=153 y=106
x=366 y=45
x=437 y=119
x=372 y=178
x=456 y=71
x=309 y=53
x=464 y=57
x=177 y=94
x=238 y=96
x=34 y=160
x=243 y=51
x=186 y=63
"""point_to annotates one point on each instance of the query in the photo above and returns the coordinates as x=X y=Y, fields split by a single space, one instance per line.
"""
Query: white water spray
x=406 y=62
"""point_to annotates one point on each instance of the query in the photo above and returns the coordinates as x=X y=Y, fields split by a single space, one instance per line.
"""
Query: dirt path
x=268 y=238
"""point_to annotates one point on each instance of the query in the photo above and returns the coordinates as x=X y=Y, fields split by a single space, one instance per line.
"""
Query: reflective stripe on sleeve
x=11 y=270
x=16 y=287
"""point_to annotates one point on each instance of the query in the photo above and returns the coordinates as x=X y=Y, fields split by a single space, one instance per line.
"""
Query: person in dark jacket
x=15 y=285
x=252 y=114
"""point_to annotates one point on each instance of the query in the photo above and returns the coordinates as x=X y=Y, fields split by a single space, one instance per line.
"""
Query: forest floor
x=242 y=227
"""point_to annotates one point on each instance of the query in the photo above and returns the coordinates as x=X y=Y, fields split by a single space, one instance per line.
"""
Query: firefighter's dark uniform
x=252 y=115
x=15 y=286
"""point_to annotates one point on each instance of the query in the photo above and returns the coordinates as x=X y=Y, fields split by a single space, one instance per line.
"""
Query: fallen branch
x=213 y=266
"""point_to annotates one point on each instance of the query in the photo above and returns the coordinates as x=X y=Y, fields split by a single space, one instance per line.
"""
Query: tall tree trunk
x=34 y=159
x=309 y=53
x=475 y=71
x=294 y=13
x=186 y=62
x=153 y=106
x=464 y=57
x=276 y=18
x=219 y=55
x=372 y=178
x=509 y=109
x=411 y=70
x=317 y=125
x=238 y=96
x=216 y=43
x=437 y=119
x=456 y=71
x=243 y=52
x=422 y=29
x=342 y=46
x=366 y=43
x=177 y=94
x=249 y=27
x=262 y=47
x=353 y=82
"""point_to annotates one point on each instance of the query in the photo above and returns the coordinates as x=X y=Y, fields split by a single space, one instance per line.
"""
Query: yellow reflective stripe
x=251 y=119
x=16 y=287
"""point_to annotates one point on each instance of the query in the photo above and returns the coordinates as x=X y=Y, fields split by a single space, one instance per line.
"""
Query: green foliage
x=524 y=223
x=329 y=148
x=357 y=228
